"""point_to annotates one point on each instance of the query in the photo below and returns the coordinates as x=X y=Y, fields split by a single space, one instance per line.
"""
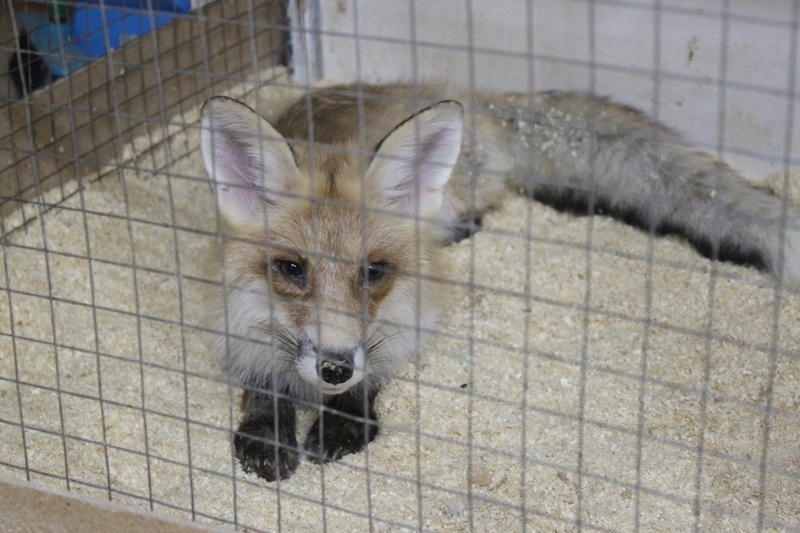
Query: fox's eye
x=291 y=270
x=374 y=272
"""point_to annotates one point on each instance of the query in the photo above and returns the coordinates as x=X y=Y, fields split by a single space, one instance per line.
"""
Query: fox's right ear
x=414 y=162
x=249 y=162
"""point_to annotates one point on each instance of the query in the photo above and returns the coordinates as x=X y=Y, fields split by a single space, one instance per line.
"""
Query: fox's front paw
x=340 y=437
x=257 y=452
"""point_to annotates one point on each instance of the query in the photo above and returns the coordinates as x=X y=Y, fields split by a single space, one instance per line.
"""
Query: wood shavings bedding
x=112 y=356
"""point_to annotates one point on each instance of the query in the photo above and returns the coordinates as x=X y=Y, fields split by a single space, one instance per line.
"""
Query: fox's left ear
x=414 y=162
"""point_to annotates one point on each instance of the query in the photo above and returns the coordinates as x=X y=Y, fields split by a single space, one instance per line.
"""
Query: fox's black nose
x=334 y=370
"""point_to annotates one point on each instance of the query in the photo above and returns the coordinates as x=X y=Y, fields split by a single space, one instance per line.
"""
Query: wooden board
x=32 y=507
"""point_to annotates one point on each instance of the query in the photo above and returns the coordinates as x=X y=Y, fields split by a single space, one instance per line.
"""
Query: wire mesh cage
x=565 y=372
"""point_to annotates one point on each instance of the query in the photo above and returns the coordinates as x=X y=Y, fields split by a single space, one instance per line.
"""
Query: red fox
x=336 y=212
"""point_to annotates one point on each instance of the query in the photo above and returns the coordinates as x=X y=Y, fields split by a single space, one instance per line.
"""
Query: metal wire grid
x=165 y=115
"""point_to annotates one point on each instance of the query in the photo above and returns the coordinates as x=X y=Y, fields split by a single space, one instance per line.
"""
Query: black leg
x=346 y=430
x=266 y=443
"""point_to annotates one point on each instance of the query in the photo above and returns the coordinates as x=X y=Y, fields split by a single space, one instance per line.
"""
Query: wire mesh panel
x=367 y=323
x=89 y=122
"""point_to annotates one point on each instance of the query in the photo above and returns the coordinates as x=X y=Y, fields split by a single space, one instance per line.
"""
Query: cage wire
x=584 y=375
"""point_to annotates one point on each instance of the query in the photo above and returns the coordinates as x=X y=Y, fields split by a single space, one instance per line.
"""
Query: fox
x=335 y=214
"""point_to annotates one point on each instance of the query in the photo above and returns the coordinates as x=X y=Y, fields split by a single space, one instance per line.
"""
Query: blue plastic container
x=95 y=31
x=51 y=42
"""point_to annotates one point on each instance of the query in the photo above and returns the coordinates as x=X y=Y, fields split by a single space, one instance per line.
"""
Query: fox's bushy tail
x=588 y=155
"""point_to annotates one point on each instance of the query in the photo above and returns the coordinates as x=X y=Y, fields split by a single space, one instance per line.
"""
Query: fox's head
x=328 y=255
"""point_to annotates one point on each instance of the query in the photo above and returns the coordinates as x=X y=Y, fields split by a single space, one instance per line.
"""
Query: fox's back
x=346 y=115
x=335 y=132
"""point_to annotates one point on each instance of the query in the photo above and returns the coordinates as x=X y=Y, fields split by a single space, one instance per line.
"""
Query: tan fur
x=355 y=120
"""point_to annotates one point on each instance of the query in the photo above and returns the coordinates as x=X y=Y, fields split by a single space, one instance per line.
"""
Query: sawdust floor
x=653 y=379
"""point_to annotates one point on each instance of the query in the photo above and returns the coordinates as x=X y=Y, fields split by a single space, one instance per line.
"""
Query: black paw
x=340 y=436
x=258 y=454
x=465 y=228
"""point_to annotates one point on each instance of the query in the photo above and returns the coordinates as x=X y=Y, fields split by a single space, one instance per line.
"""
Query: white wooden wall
x=699 y=68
